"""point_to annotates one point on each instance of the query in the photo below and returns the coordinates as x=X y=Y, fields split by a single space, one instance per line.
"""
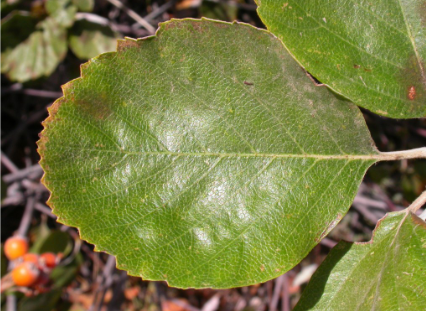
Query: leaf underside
x=202 y=156
x=372 y=52
x=387 y=273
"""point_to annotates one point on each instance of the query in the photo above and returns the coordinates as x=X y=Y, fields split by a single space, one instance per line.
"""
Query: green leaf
x=63 y=275
x=219 y=10
x=30 y=50
x=372 y=52
x=42 y=302
x=56 y=242
x=387 y=273
x=202 y=156
x=62 y=11
x=84 y=5
x=89 y=39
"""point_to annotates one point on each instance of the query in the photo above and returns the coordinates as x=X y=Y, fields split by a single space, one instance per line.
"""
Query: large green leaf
x=387 y=273
x=88 y=39
x=30 y=50
x=203 y=156
x=373 y=52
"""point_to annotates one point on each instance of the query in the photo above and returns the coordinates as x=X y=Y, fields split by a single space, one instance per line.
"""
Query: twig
x=105 y=281
x=158 y=11
x=404 y=154
x=26 y=218
x=276 y=295
x=8 y=163
x=285 y=303
x=21 y=174
x=44 y=209
x=118 y=296
x=11 y=302
x=418 y=203
x=133 y=15
x=18 y=87
x=364 y=211
x=42 y=93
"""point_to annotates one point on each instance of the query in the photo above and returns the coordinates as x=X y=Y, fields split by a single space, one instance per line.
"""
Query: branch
x=418 y=203
x=26 y=218
x=8 y=163
x=133 y=15
x=405 y=154
x=21 y=174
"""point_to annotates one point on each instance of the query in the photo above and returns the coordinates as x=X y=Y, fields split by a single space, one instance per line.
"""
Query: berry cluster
x=29 y=270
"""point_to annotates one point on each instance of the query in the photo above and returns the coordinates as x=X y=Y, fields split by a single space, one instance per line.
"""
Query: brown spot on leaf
x=123 y=45
x=357 y=66
x=248 y=83
x=411 y=93
x=96 y=106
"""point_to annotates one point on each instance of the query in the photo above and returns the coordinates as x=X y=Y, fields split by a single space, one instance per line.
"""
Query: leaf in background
x=84 y=5
x=387 y=273
x=7 y=6
x=56 y=242
x=62 y=11
x=372 y=52
x=202 y=156
x=30 y=50
x=222 y=11
x=89 y=39
x=62 y=275
x=42 y=302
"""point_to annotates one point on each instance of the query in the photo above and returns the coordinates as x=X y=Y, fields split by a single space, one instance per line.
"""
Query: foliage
x=206 y=152
x=235 y=170
x=371 y=52
x=387 y=271
x=35 y=42
x=207 y=149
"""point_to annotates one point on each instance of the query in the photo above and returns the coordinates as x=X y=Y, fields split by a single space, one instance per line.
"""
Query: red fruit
x=49 y=260
x=29 y=257
x=25 y=274
x=15 y=247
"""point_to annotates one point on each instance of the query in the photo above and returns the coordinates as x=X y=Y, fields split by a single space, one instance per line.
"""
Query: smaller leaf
x=30 y=50
x=56 y=242
x=387 y=273
x=84 y=5
x=62 y=11
x=89 y=39
x=221 y=11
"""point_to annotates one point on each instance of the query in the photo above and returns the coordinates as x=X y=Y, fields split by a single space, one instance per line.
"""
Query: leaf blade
x=388 y=271
x=195 y=169
x=372 y=53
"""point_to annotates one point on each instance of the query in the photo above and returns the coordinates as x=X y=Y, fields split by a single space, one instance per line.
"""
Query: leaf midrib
x=376 y=156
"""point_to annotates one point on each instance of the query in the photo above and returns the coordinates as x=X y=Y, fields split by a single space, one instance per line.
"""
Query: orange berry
x=49 y=260
x=15 y=247
x=29 y=257
x=25 y=274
